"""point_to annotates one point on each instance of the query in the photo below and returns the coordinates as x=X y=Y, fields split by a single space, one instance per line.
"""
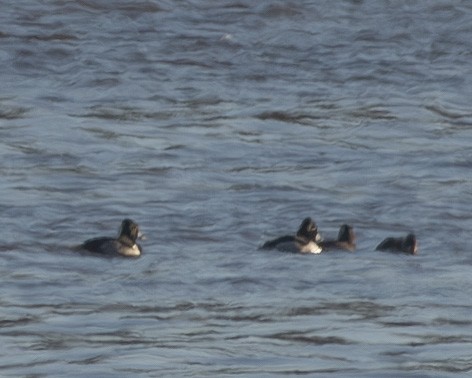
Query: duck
x=407 y=244
x=124 y=245
x=346 y=240
x=304 y=241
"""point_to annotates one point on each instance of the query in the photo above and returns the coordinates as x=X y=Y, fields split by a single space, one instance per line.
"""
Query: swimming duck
x=407 y=244
x=346 y=240
x=305 y=240
x=124 y=245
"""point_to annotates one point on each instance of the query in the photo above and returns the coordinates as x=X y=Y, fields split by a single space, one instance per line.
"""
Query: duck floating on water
x=124 y=245
x=407 y=244
x=305 y=240
x=346 y=240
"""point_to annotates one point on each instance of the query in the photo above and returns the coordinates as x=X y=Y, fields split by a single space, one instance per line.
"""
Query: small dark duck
x=305 y=240
x=124 y=245
x=407 y=244
x=346 y=240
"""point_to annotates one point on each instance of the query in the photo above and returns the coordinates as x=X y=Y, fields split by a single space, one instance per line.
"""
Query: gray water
x=217 y=126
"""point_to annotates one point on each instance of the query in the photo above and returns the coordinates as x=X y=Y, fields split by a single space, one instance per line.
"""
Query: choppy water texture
x=216 y=126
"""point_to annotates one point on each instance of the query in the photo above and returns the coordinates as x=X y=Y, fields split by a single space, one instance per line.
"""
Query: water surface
x=217 y=127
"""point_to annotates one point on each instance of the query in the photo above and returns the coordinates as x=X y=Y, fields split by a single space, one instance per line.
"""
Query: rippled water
x=217 y=126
